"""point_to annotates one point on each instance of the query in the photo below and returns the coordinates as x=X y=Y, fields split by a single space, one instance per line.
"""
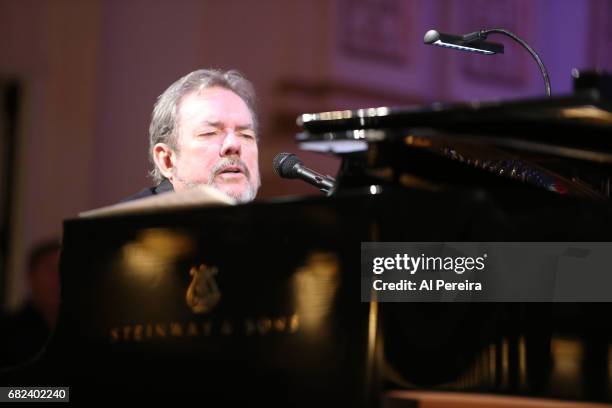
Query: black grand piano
x=260 y=303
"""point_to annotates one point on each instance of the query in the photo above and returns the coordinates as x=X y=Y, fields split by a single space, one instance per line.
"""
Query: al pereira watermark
x=486 y=271
x=412 y=264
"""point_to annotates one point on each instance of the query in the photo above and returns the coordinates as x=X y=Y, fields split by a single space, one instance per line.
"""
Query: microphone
x=288 y=165
x=475 y=42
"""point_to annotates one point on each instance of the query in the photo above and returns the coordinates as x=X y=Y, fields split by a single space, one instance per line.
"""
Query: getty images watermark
x=486 y=271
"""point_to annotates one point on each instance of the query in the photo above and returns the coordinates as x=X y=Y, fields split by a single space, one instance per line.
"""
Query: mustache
x=232 y=161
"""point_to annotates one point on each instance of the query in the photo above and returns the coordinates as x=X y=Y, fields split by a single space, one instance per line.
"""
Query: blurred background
x=78 y=80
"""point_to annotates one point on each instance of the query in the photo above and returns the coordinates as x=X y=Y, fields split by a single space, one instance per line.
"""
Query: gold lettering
x=176 y=329
x=294 y=323
x=127 y=330
x=264 y=325
x=192 y=329
x=114 y=334
x=207 y=328
x=226 y=328
x=249 y=327
x=138 y=332
x=280 y=323
x=160 y=329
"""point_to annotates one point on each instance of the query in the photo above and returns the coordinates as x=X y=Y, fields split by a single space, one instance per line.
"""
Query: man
x=25 y=332
x=204 y=132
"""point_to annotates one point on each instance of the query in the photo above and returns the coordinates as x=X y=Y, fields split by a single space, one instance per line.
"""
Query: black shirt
x=162 y=187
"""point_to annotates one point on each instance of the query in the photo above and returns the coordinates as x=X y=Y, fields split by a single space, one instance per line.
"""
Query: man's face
x=216 y=144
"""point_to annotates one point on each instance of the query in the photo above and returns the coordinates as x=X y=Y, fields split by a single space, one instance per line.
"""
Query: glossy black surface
x=260 y=249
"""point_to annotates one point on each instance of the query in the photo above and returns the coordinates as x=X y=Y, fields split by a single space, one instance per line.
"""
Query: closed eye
x=209 y=133
x=248 y=135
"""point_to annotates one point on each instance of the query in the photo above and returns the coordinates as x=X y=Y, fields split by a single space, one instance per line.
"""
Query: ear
x=164 y=158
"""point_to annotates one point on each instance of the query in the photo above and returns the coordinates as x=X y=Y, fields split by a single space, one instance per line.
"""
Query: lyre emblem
x=202 y=294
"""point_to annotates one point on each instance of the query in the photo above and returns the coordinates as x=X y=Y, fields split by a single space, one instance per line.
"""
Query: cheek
x=252 y=158
x=197 y=159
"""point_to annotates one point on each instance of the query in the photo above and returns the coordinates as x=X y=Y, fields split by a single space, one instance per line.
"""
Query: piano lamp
x=475 y=42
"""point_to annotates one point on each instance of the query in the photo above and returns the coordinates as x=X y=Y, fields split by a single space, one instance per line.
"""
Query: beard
x=244 y=196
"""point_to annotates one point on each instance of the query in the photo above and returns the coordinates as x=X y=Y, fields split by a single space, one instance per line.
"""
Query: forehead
x=214 y=104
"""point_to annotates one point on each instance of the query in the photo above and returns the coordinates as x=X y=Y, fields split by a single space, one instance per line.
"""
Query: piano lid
x=577 y=126
x=585 y=110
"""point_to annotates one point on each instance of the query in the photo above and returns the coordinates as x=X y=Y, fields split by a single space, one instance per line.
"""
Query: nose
x=231 y=144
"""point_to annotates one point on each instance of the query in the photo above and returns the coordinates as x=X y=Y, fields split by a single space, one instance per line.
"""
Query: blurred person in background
x=25 y=332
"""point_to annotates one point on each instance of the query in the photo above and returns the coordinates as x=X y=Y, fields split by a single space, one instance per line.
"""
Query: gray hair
x=163 y=127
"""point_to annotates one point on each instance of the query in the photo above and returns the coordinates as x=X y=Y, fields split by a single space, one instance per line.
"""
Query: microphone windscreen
x=284 y=165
